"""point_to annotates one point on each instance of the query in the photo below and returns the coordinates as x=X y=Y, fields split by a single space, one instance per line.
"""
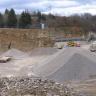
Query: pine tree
x=39 y=16
x=25 y=20
x=1 y=21
x=12 y=19
x=6 y=17
x=43 y=17
x=6 y=11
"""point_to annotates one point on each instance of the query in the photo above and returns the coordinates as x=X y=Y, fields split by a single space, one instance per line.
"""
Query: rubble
x=29 y=86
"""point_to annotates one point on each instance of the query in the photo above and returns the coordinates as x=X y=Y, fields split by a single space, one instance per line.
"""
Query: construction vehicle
x=73 y=44
x=93 y=46
x=4 y=59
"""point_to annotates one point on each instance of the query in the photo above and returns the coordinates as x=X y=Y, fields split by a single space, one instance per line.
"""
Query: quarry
x=70 y=66
x=47 y=48
x=41 y=66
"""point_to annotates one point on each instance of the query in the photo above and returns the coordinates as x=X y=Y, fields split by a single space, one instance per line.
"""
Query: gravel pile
x=69 y=64
x=21 y=62
x=43 y=51
x=66 y=64
x=11 y=67
x=15 y=53
x=28 y=86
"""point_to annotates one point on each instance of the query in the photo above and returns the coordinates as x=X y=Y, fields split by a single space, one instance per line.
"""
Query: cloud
x=61 y=7
x=23 y=4
x=74 y=7
x=74 y=10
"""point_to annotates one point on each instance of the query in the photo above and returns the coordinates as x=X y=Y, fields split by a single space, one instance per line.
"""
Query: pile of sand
x=69 y=64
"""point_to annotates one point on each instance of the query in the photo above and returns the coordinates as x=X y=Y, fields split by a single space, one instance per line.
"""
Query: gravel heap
x=43 y=51
x=21 y=62
x=28 y=86
x=69 y=64
x=15 y=53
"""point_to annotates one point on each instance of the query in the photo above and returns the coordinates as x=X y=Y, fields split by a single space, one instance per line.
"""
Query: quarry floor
x=35 y=58
x=74 y=66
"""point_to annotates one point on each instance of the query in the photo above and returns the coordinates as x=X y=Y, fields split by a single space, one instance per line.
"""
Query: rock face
x=24 y=39
x=28 y=86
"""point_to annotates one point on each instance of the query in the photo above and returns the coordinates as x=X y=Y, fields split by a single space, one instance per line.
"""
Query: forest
x=74 y=23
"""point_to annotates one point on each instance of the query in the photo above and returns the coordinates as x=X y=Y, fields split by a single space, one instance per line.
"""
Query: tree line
x=84 y=22
x=77 y=23
x=12 y=20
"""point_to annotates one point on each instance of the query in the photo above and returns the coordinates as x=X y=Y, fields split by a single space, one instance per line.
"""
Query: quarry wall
x=24 y=39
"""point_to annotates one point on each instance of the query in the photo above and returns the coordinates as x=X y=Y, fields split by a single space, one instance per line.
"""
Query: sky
x=57 y=7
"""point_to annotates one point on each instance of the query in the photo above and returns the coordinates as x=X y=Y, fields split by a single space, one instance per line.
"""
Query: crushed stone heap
x=43 y=51
x=15 y=53
x=69 y=64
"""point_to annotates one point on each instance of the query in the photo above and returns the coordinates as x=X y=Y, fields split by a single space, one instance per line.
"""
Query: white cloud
x=62 y=7
x=75 y=8
x=63 y=3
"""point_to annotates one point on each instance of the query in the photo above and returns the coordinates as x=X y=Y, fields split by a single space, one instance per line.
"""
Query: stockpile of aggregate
x=15 y=53
x=43 y=51
x=66 y=64
x=21 y=62
x=11 y=67
x=35 y=59
x=69 y=64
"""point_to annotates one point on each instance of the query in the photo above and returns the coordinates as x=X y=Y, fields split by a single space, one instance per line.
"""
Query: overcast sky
x=60 y=7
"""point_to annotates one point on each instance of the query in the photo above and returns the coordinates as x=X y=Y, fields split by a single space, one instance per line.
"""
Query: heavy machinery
x=73 y=44
x=4 y=59
x=93 y=46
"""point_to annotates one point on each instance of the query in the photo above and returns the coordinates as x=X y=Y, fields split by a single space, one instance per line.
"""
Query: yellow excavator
x=73 y=44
